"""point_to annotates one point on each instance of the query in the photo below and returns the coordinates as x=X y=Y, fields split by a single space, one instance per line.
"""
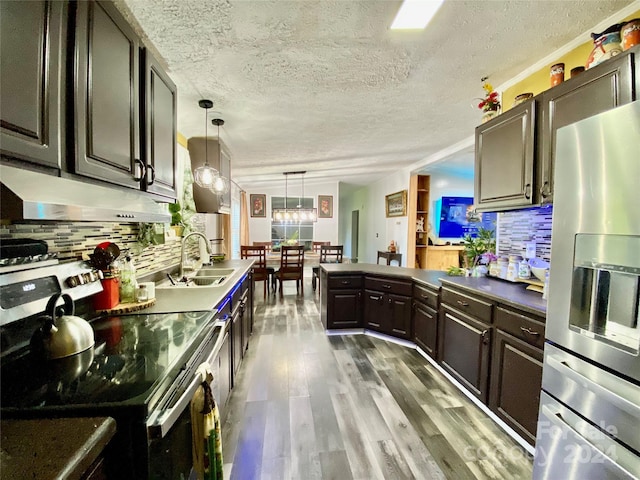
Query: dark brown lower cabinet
x=516 y=379
x=345 y=308
x=425 y=328
x=388 y=313
x=465 y=348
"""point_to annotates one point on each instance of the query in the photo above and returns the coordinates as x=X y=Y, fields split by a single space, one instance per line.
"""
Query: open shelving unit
x=418 y=209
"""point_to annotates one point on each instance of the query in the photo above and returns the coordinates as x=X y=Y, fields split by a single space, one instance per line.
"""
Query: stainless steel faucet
x=182 y=251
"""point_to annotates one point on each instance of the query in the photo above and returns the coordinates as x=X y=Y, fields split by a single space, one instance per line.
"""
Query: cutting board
x=123 y=308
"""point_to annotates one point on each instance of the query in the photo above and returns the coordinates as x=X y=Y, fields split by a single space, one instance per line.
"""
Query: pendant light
x=220 y=184
x=205 y=175
x=297 y=214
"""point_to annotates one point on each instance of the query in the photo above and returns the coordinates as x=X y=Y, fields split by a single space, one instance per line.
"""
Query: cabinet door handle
x=139 y=170
x=544 y=190
x=386 y=286
x=151 y=170
x=461 y=303
x=485 y=337
x=527 y=191
x=390 y=301
x=529 y=331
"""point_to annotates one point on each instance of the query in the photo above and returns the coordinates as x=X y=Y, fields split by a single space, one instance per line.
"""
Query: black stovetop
x=133 y=357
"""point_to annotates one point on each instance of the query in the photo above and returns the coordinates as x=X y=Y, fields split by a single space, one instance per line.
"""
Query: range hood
x=28 y=195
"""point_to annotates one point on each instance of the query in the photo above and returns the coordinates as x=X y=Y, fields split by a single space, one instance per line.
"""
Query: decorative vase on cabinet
x=489 y=114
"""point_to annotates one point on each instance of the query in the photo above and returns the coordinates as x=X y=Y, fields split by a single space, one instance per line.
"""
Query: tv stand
x=443 y=257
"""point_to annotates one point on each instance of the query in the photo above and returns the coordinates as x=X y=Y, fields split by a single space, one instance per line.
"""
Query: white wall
x=325 y=229
x=376 y=231
x=354 y=200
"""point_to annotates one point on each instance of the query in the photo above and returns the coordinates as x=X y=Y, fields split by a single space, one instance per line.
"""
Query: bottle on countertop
x=128 y=283
x=524 y=270
x=545 y=289
x=512 y=268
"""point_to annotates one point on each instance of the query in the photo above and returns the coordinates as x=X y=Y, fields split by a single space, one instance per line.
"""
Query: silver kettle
x=62 y=336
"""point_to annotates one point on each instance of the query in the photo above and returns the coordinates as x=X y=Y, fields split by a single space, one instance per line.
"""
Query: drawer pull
x=529 y=331
x=345 y=282
x=425 y=296
x=386 y=286
x=374 y=297
x=461 y=303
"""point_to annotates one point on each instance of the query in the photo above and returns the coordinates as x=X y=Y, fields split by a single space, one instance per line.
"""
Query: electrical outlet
x=530 y=249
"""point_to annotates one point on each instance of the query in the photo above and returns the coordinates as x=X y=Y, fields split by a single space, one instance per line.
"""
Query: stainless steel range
x=589 y=422
x=141 y=371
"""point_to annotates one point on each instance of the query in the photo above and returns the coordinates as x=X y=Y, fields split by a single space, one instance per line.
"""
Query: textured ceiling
x=325 y=86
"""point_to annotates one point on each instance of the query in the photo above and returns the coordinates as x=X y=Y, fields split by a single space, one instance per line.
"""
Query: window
x=302 y=231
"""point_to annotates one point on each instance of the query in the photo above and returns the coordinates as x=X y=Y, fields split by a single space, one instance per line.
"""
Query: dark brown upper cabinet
x=504 y=163
x=107 y=106
x=601 y=88
x=160 y=127
x=32 y=97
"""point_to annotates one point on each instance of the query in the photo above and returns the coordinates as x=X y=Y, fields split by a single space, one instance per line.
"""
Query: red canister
x=630 y=34
x=557 y=74
x=109 y=297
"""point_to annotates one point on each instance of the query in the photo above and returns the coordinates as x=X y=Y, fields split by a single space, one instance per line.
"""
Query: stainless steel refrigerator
x=589 y=420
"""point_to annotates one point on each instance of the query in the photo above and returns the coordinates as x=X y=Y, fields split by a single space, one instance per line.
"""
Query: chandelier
x=297 y=214
x=205 y=175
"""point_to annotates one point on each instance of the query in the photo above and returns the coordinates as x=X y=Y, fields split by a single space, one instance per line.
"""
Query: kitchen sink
x=215 y=272
x=195 y=282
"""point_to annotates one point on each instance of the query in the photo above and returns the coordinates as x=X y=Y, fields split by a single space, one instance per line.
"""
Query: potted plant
x=177 y=223
x=479 y=250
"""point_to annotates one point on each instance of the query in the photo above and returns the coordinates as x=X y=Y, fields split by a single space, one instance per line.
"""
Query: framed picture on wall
x=258 y=205
x=396 y=204
x=325 y=206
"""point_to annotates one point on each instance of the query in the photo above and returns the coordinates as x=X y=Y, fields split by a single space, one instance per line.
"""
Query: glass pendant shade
x=205 y=175
x=220 y=185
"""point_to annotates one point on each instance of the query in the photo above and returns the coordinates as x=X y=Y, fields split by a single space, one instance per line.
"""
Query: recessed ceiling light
x=414 y=14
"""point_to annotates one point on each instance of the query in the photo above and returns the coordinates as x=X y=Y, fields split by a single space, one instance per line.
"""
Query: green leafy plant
x=293 y=239
x=176 y=214
x=475 y=248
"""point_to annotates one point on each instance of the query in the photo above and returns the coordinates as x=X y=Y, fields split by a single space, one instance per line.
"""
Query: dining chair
x=266 y=245
x=316 y=246
x=328 y=254
x=270 y=270
x=291 y=266
x=259 y=271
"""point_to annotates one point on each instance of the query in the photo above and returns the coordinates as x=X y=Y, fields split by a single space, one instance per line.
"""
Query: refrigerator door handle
x=578 y=442
x=621 y=402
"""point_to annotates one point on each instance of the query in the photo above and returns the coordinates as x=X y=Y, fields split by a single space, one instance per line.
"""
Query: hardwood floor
x=311 y=406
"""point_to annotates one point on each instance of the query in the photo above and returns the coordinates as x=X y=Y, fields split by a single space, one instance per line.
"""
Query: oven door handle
x=160 y=422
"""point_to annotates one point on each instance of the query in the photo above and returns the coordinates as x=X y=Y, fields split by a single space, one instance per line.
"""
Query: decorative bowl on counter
x=538 y=268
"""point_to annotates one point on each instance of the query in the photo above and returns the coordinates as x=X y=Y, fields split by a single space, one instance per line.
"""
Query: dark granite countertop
x=62 y=448
x=512 y=294
x=428 y=277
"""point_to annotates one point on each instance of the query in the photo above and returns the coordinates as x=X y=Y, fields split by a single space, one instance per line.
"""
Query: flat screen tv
x=457 y=218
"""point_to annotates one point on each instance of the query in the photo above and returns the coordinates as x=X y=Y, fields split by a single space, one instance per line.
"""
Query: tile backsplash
x=76 y=240
x=516 y=227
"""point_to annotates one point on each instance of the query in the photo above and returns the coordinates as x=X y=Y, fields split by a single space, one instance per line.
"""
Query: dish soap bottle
x=128 y=283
